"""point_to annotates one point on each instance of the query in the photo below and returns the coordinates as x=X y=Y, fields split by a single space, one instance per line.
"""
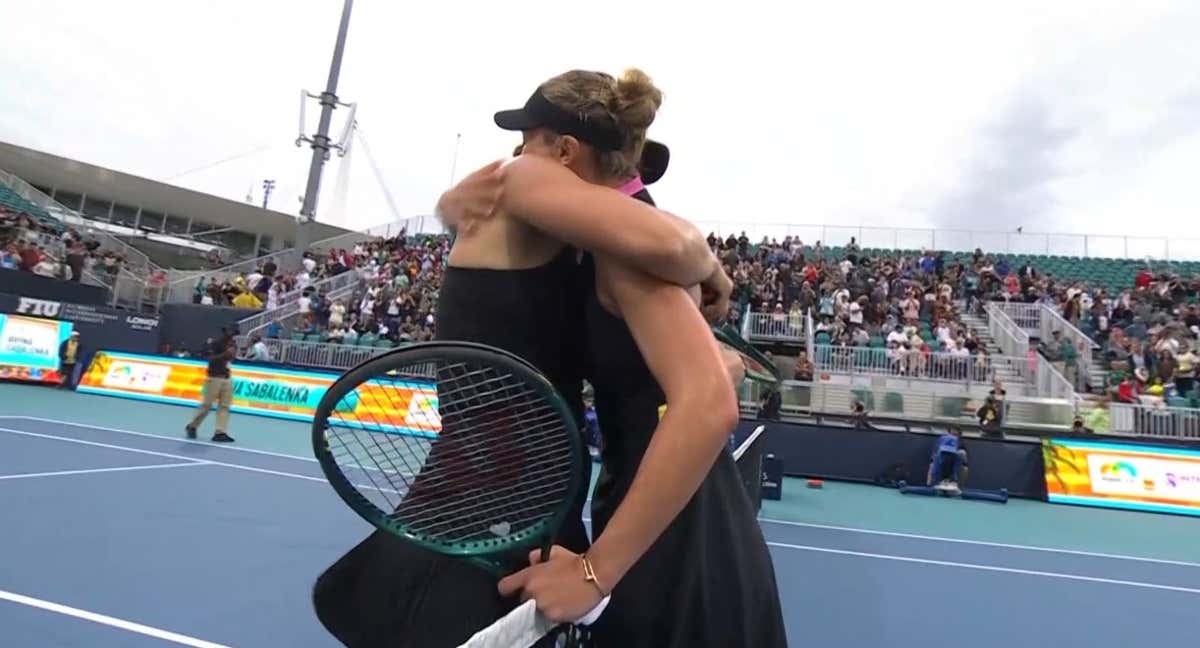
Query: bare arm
x=599 y=219
x=702 y=411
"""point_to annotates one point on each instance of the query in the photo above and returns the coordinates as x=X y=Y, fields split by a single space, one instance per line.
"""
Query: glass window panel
x=152 y=221
x=68 y=199
x=96 y=209
x=124 y=215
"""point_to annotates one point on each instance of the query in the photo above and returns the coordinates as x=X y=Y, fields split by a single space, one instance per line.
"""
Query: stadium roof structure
x=45 y=169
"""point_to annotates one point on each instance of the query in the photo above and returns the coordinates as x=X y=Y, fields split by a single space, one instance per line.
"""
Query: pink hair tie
x=632 y=186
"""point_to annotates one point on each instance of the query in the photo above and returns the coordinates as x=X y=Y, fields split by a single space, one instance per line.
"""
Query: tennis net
x=749 y=458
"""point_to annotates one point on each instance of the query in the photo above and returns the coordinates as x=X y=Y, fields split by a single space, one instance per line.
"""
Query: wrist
x=607 y=565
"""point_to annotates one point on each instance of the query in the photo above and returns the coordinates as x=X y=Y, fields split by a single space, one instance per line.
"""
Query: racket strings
x=453 y=451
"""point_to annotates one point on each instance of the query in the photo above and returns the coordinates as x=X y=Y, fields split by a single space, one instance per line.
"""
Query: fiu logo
x=38 y=307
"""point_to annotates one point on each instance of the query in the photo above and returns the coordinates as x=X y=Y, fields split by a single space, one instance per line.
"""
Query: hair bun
x=638 y=99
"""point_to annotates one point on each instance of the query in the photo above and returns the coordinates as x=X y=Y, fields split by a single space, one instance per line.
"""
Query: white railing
x=1042 y=320
x=773 y=327
x=181 y=284
x=1050 y=382
x=912 y=364
x=1028 y=317
x=801 y=399
x=809 y=331
x=1154 y=420
x=316 y=354
x=1010 y=337
x=335 y=287
x=963 y=240
x=135 y=259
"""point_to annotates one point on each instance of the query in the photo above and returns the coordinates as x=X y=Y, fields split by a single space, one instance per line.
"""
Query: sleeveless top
x=712 y=558
x=386 y=592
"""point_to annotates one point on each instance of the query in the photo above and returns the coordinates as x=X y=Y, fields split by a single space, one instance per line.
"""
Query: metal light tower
x=320 y=141
x=268 y=187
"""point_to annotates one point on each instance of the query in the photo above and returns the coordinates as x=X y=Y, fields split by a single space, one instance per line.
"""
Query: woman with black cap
x=511 y=283
x=677 y=541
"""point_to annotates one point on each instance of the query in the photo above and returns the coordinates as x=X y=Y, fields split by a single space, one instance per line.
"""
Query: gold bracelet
x=589 y=575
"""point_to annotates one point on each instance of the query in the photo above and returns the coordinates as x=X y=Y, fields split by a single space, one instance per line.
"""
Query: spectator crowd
x=28 y=244
x=395 y=299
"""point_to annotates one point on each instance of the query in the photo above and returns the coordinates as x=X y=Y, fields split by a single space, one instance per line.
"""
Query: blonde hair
x=630 y=103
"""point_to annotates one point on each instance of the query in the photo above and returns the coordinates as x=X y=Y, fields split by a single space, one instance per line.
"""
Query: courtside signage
x=29 y=348
x=1123 y=475
x=407 y=407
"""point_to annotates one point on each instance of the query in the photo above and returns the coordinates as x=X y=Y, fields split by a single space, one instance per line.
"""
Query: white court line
x=210 y=444
x=160 y=454
x=223 y=446
x=207 y=462
x=113 y=622
x=89 y=471
x=915 y=536
x=991 y=568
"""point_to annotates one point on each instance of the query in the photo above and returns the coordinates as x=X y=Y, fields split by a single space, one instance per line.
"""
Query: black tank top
x=536 y=313
x=723 y=590
x=387 y=593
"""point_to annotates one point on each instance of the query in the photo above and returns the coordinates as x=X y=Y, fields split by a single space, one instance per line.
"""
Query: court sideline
x=126 y=534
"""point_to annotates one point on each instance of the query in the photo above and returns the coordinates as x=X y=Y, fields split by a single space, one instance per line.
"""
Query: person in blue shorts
x=948 y=465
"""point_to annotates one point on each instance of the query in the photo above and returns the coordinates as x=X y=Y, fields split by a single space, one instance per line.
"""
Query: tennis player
x=513 y=282
x=677 y=541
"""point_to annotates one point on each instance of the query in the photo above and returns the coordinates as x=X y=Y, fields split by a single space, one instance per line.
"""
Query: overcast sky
x=1055 y=116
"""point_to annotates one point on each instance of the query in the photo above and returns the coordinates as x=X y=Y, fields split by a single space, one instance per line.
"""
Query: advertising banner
x=29 y=348
x=1123 y=475
x=404 y=407
x=100 y=327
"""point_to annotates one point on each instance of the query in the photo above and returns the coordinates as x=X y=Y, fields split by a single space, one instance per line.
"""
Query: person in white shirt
x=259 y=351
x=309 y=265
x=349 y=335
x=897 y=336
x=273 y=295
x=303 y=280
x=856 y=311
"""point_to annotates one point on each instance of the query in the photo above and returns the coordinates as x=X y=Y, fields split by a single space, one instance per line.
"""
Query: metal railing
x=773 y=327
x=809 y=331
x=1009 y=336
x=135 y=259
x=1154 y=420
x=1050 y=382
x=1042 y=320
x=913 y=364
x=964 y=240
x=324 y=355
x=181 y=284
x=336 y=287
x=800 y=399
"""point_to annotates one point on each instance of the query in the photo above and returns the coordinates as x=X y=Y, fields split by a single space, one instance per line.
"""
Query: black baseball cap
x=539 y=112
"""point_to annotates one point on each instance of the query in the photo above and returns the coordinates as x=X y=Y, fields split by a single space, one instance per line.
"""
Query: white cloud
x=1057 y=116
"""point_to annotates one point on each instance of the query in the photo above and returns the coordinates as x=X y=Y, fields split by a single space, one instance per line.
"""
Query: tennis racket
x=759 y=367
x=460 y=448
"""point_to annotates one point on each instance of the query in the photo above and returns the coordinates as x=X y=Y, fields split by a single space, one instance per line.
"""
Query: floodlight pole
x=320 y=141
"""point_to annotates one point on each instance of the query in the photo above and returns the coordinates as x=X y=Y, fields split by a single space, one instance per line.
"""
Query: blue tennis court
x=118 y=532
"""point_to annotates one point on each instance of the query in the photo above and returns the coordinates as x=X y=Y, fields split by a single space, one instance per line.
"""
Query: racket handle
x=524 y=626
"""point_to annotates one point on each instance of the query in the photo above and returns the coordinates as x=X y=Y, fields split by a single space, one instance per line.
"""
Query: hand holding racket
x=459 y=448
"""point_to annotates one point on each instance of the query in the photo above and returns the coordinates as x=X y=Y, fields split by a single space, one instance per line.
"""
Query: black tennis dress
x=708 y=580
x=388 y=593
